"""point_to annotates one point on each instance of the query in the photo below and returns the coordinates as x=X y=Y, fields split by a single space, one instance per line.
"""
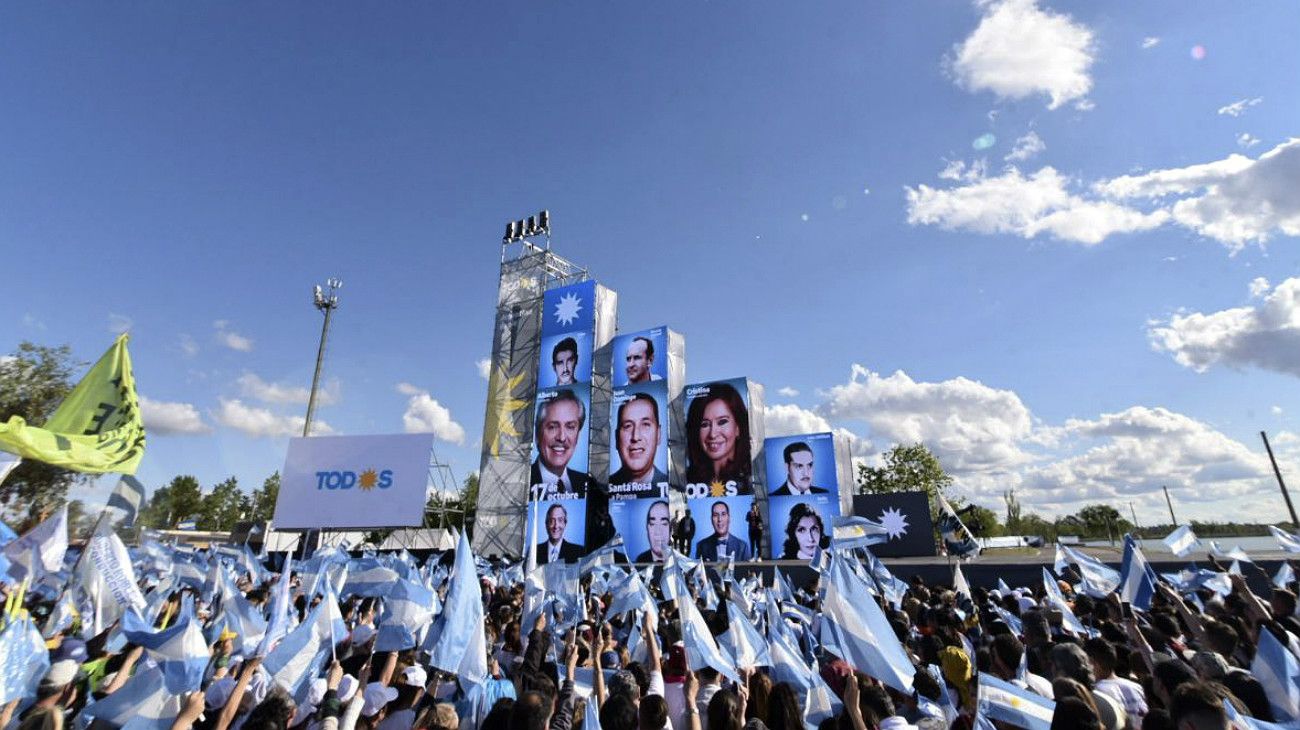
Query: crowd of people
x=624 y=651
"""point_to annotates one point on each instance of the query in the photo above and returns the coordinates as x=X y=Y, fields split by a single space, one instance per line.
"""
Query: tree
x=1013 y=511
x=222 y=508
x=262 y=501
x=906 y=469
x=981 y=521
x=33 y=382
x=1102 y=520
x=459 y=508
x=178 y=501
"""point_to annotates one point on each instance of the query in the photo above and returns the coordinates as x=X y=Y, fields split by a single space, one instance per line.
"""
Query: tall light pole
x=326 y=303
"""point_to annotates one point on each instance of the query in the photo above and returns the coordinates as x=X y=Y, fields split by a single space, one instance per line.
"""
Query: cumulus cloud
x=262 y=422
x=787 y=392
x=1026 y=146
x=1259 y=286
x=1024 y=206
x=484 y=367
x=252 y=386
x=1020 y=50
x=1239 y=107
x=167 y=419
x=1264 y=335
x=1150 y=42
x=230 y=338
x=426 y=415
x=972 y=427
x=119 y=323
x=1235 y=201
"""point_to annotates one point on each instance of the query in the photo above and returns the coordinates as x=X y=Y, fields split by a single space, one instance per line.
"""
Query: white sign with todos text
x=354 y=481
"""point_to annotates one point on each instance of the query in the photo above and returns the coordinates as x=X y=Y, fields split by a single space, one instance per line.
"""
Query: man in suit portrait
x=637 y=438
x=640 y=359
x=798 y=471
x=564 y=361
x=657 y=532
x=721 y=544
x=555 y=549
x=559 y=426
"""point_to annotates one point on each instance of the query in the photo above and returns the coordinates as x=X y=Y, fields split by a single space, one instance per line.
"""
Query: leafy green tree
x=981 y=521
x=262 y=501
x=1013 y=512
x=912 y=468
x=1102 y=520
x=180 y=500
x=222 y=507
x=34 y=380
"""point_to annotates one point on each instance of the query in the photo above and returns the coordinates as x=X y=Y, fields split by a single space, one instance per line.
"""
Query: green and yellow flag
x=96 y=429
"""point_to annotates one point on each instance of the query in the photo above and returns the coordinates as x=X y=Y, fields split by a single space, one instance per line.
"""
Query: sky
x=1054 y=241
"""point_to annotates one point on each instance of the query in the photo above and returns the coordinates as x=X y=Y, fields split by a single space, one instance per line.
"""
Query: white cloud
x=426 y=415
x=1266 y=335
x=1259 y=286
x=1026 y=146
x=263 y=423
x=1150 y=42
x=484 y=367
x=1239 y=107
x=787 y=392
x=1020 y=50
x=230 y=338
x=790 y=420
x=252 y=386
x=1025 y=206
x=1246 y=140
x=1235 y=201
x=970 y=426
x=188 y=346
x=1141 y=449
x=1276 y=410
x=119 y=323
x=408 y=389
x=166 y=419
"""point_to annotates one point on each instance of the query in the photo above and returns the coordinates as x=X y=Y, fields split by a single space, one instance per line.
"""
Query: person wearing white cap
x=410 y=689
x=56 y=692
x=375 y=699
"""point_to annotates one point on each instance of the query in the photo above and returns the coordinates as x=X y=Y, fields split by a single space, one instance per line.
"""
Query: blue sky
x=796 y=187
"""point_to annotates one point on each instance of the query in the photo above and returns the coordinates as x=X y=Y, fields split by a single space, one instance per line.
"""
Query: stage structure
x=528 y=270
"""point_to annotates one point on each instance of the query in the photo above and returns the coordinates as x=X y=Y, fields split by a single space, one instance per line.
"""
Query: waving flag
x=299 y=658
x=180 y=651
x=1137 y=581
x=1285 y=575
x=957 y=540
x=629 y=593
x=1099 y=580
x=1005 y=702
x=46 y=542
x=107 y=580
x=1236 y=553
x=606 y=554
x=461 y=647
x=143 y=703
x=855 y=531
x=127 y=498
x=408 y=609
x=1182 y=541
x=367 y=577
x=277 y=624
x=23 y=660
x=701 y=649
x=861 y=631
x=1003 y=588
x=1285 y=540
x=1057 y=601
x=742 y=640
x=1278 y=671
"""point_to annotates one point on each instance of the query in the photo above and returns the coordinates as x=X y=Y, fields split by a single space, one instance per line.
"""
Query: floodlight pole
x=1170 y=502
x=1278 y=473
x=326 y=303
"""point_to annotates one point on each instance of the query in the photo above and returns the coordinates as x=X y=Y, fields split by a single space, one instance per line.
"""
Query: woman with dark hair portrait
x=805 y=533
x=717 y=437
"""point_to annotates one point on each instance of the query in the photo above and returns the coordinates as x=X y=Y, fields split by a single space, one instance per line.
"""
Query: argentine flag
x=181 y=652
x=1005 y=702
x=1182 y=541
x=1137 y=581
x=1278 y=671
x=1285 y=540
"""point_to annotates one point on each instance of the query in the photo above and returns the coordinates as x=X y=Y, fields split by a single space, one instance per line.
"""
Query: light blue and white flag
x=861 y=631
x=1010 y=620
x=299 y=658
x=957 y=540
x=1238 y=721
x=1285 y=540
x=606 y=554
x=1003 y=588
x=461 y=647
x=1137 y=581
x=277 y=622
x=855 y=531
x=368 y=578
x=408 y=609
x=1182 y=541
x=127 y=499
x=1278 y=672
x=742 y=641
x=180 y=651
x=41 y=550
x=1069 y=621
x=1285 y=575
x=788 y=666
x=1236 y=553
x=701 y=648
x=629 y=593
x=23 y=661
x=1099 y=580
x=1061 y=562
x=143 y=703
x=1005 y=702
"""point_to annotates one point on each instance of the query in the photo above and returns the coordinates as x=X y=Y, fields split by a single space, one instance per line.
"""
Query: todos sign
x=354 y=481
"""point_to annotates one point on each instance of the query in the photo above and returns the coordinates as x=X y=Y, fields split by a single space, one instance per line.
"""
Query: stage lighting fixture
x=544 y=221
x=532 y=225
x=510 y=233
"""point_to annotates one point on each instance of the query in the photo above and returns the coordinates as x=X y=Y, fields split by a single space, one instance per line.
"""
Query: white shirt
x=553 y=552
x=554 y=482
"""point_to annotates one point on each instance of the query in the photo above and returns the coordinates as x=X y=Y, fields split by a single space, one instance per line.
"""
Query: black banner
x=907 y=517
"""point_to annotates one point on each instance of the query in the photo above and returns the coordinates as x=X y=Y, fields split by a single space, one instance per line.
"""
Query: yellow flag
x=96 y=429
